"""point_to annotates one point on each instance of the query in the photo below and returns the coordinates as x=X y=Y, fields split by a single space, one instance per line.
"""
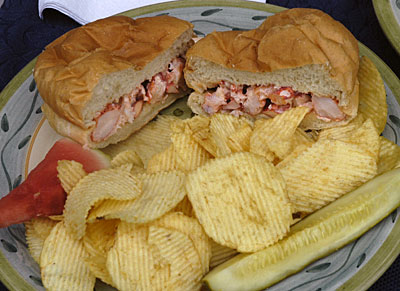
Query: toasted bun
x=301 y=48
x=89 y=67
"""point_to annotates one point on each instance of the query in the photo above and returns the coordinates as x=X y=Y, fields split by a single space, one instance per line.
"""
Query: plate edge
x=388 y=22
x=16 y=82
x=200 y=3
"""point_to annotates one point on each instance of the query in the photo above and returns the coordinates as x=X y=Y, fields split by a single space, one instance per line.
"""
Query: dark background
x=23 y=35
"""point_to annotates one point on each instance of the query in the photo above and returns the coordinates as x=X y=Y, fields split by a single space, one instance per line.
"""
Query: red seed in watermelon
x=41 y=193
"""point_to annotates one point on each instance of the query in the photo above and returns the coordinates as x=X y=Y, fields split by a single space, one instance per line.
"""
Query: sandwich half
x=105 y=80
x=299 y=57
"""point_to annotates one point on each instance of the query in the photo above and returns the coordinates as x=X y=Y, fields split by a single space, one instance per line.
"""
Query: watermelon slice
x=41 y=193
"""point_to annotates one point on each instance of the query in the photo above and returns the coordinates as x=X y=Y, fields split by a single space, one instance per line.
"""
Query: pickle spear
x=316 y=236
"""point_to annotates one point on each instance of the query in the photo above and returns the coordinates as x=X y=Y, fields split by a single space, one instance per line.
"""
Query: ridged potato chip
x=34 y=241
x=239 y=141
x=367 y=137
x=69 y=173
x=276 y=135
x=107 y=208
x=294 y=154
x=146 y=257
x=241 y=201
x=131 y=263
x=163 y=161
x=300 y=137
x=180 y=126
x=228 y=133
x=43 y=226
x=127 y=157
x=161 y=192
x=98 y=240
x=372 y=94
x=36 y=232
x=363 y=134
x=62 y=262
x=178 y=250
x=191 y=228
x=200 y=130
x=151 y=139
x=301 y=141
x=115 y=183
x=56 y=217
x=342 y=132
x=220 y=254
x=325 y=171
x=389 y=155
x=188 y=153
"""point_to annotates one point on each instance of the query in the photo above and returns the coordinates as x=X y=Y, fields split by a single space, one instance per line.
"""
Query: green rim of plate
x=388 y=22
x=366 y=276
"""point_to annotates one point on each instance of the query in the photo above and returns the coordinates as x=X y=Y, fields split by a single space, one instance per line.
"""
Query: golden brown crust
x=322 y=33
x=71 y=66
x=292 y=38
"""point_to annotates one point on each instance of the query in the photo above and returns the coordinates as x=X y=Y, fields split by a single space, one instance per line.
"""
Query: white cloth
x=84 y=11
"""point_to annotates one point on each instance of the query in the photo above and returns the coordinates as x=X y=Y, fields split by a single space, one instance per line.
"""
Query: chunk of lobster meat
x=174 y=75
x=253 y=105
x=106 y=125
x=137 y=108
x=302 y=99
x=156 y=88
x=327 y=108
x=214 y=101
x=232 y=105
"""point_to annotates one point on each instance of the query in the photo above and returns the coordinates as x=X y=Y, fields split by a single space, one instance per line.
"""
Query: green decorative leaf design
x=318 y=268
x=8 y=246
x=259 y=17
x=217 y=23
x=17 y=181
x=210 y=12
x=199 y=33
x=39 y=110
x=4 y=123
x=32 y=86
x=393 y=215
x=36 y=280
x=24 y=142
x=395 y=120
x=178 y=112
x=361 y=260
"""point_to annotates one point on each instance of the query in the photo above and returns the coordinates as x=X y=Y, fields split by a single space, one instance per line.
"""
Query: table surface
x=23 y=35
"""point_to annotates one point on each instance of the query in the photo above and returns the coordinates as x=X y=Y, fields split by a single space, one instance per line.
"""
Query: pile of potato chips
x=182 y=196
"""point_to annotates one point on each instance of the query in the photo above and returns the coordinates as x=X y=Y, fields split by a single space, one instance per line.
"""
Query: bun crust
x=305 y=49
x=73 y=69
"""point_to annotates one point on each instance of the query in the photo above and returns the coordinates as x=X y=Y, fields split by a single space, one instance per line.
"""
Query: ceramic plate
x=388 y=12
x=25 y=138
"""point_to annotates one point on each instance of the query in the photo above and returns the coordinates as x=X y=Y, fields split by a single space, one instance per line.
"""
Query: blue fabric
x=23 y=36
